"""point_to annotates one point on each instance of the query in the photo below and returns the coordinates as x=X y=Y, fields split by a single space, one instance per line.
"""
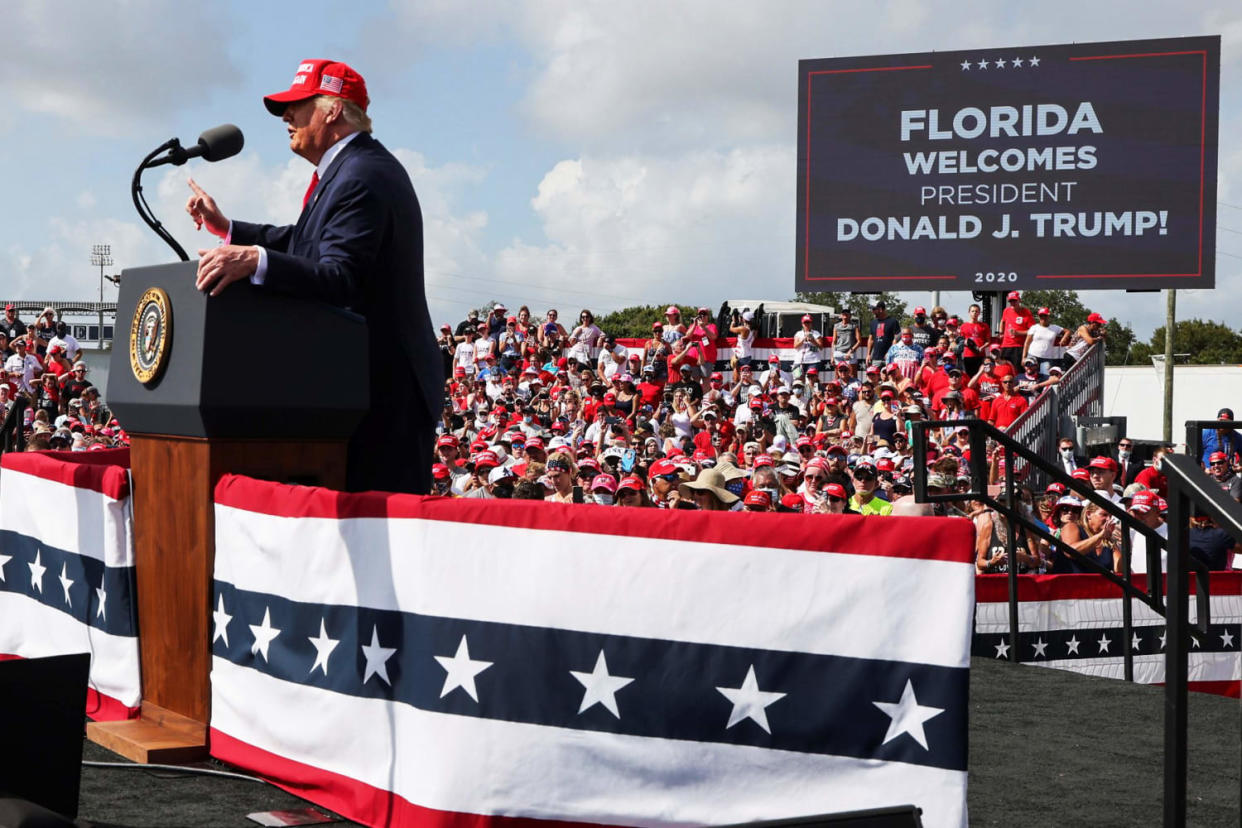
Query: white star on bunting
x=1072 y=645
x=103 y=600
x=1000 y=63
x=323 y=647
x=1136 y=642
x=749 y=702
x=601 y=688
x=461 y=671
x=3 y=560
x=1104 y=642
x=907 y=716
x=1226 y=639
x=65 y=582
x=1016 y=61
x=965 y=65
x=263 y=634
x=222 y=620
x=983 y=64
x=1034 y=61
x=377 y=658
x=1164 y=634
x=1040 y=646
x=36 y=574
x=1002 y=650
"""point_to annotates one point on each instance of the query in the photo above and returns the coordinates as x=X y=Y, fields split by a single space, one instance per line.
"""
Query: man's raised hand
x=202 y=208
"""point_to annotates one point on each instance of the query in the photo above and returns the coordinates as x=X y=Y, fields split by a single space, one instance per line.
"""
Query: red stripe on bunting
x=995 y=588
x=99 y=706
x=106 y=472
x=356 y=800
x=919 y=538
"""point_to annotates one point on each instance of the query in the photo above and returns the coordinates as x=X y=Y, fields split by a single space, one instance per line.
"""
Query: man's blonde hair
x=350 y=111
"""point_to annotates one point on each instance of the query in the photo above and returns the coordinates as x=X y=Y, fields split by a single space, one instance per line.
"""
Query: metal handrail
x=1187 y=483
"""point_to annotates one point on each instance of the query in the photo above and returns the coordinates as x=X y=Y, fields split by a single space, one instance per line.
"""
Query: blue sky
x=569 y=154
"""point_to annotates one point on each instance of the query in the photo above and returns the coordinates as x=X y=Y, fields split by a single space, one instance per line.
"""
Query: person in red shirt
x=968 y=396
x=1015 y=322
x=649 y=389
x=976 y=329
x=1008 y=406
x=704 y=331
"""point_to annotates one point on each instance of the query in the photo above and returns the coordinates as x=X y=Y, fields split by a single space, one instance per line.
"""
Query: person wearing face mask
x=1128 y=466
x=924 y=333
x=603 y=489
x=1067 y=458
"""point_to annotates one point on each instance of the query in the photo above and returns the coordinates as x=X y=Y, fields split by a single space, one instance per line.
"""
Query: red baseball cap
x=793 y=502
x=630 y=482
x=762 y=460
x=920 y=311
x=757 y=497
x=320 y=77
x=1013 y=294
x=836 y=490
x=439 y=471
x=1102 y=462
x=1043 y=312
x=1218 y=457
x=1143 y=501
x=806 y=317
x=1081 y=474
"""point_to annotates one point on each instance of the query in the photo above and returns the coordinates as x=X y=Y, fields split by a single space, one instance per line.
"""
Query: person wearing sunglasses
x=1222 y=472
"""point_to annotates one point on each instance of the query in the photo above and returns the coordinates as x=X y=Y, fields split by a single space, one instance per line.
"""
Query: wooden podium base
x=174 y=557
x=159 y=737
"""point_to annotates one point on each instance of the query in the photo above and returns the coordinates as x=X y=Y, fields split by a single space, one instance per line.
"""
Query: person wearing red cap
x=1102 y=471
x=1221 y=469
x=1045 y=342
x=808 y=344
x=923 y=332
x=1016 y=320
x=359 y=244
x=13 y=327
x=1088 y=333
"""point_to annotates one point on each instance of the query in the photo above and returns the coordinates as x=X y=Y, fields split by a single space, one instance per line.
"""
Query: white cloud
x=109 y=66
x=628 y=230
x=85 y=200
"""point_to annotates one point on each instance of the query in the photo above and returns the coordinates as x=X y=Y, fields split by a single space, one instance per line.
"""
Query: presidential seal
x=150 y=336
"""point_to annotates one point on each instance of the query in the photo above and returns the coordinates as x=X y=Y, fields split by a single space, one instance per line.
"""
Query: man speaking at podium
x=358 y=243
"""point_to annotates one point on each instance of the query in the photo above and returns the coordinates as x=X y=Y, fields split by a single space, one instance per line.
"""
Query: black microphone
x=214 y=144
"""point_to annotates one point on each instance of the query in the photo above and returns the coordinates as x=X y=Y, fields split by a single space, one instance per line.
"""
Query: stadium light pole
x=1170 y=322
x=101 y=257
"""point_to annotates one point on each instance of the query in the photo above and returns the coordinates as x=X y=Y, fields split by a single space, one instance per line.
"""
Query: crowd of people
x=695 y=418
x=45 y=384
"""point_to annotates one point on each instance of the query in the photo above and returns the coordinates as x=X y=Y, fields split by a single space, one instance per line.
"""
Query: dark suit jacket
x=359 y=244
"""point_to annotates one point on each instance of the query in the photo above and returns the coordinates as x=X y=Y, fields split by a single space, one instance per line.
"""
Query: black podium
x=248 y=382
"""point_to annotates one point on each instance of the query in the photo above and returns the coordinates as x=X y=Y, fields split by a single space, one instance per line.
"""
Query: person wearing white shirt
x=22 y=367
x=1143 y=508
x=66 y=340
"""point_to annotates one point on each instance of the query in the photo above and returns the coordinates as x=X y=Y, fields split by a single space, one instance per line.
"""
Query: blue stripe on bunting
x=828 y=707
x=1097 y=642
x=119 y=616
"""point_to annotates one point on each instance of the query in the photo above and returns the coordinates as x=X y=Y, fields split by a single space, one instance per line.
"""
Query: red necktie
x=314 y=181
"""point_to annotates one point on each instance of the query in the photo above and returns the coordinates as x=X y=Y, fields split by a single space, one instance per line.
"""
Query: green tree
x=1206 y=342
x=635 y=321
x=860 y=304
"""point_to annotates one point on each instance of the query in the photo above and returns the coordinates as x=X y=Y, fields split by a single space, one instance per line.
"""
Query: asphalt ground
x=1047 y=747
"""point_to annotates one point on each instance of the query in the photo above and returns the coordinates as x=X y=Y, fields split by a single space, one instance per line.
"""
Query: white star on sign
x=461 y=671
x=1002 y=650
x=965 y=65
x=1072 y=645
x=749 y=702
x=323 y=647
x=36 y=574
x=65 y=582
x=983 y=64
x=1226 y=639
x=1040 y=646
x=601 y=688
x=222 y=620
x=907 y=716
x=1034 y=61
x=3 y=560
x=1016 y=61
x=1000 y=63
x=263 y=634
x=377 y=658
x=1104 y=642
x=103 y=599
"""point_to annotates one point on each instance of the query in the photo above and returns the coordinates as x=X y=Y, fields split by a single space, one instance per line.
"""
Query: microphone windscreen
x=221 y=142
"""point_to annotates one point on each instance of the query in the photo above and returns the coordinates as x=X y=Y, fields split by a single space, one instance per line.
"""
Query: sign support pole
x=1170 y=325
